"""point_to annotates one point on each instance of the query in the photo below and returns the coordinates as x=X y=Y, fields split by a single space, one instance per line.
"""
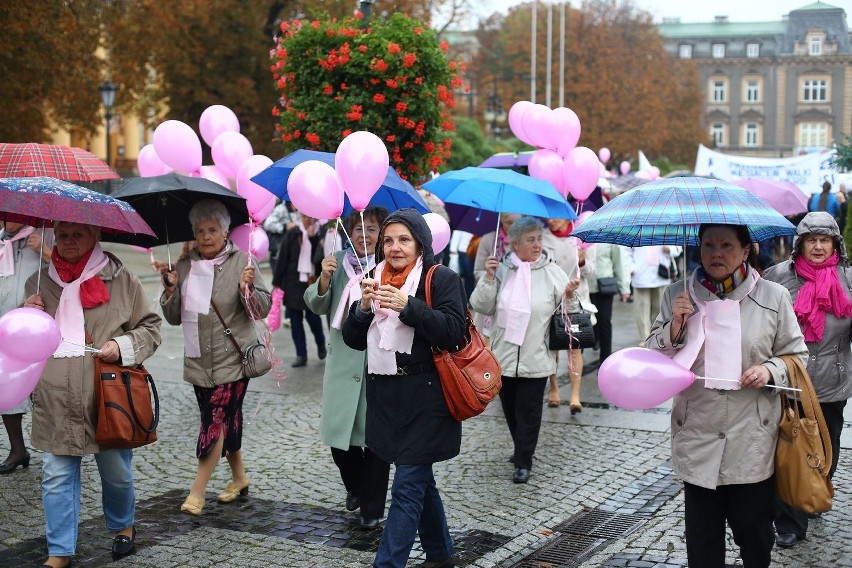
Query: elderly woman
x=520 y=329
x=818 y=278
x=215 y=277
x=344 y=392
x=408 y=422
x=724 y=431
x=89 y=293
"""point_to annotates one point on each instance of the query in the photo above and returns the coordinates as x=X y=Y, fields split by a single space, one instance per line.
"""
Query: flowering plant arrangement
x=392 y=79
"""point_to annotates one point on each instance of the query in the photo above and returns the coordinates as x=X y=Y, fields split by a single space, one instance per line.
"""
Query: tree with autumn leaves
x=392 y=78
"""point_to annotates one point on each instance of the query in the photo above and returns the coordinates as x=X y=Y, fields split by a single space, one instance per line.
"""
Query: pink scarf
x=7 y=253
x=196 y=292
x=305 y=264
x=514 y=306
x=352 y=290
x=821 y=293
x=387 y=335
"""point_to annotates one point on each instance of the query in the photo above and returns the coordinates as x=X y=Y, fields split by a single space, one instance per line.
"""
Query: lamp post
x=366 y=10
x=494 y=114
x=107 y=92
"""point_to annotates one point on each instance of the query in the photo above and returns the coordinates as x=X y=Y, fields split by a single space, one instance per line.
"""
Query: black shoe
x=370 y=524
x=521 y=475
x=512 y=458
x=299 y=362
x=321 y=352
x=786 y=540
x=9 y=467
x=448 y=563
x=810 y=515
x=352 y=502
x=123 y=546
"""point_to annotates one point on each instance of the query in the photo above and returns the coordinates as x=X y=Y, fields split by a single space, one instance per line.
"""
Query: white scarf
x=305 y=264
x=718 y=327
x=387 y=335
x=514 y=307
x=351 y=292
x=196 y=292
x=7 y=253
x=69 y=312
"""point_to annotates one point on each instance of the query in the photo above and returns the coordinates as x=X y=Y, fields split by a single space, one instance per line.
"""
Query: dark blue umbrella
x=395 y=193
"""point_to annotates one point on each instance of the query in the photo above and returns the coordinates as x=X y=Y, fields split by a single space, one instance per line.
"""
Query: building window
x=718 y=50
x=752 y=50
x=717 y=133
x=814 y=90
x=752 y=91
x=750 y=134
x=718 y=94
x=685 y=51
x=813 y=134
x=816 y=46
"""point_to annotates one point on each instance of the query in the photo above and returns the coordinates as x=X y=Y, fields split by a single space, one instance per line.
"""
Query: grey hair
x=521 y=226
x=94 y=230
x=210 y=209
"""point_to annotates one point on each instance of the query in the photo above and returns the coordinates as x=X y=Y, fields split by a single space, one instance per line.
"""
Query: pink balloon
x=263 y=211
x=213 y=174
x=149 y=163
x=256 y=196
x=178 y=146
x=643 y=174
x=547 y=165
x=540 y=125
x=254 y=240
x=314 y=190
x=440 y=231
x=28 y=335
x=229 y=151
x=516 y=120
x=18 y=380
x=581 y=172
x=653 y=173
x=215 y=120
x=604 y=155
x=361 y=163
x=567 y=130
x=637 y=378
x=624 y=167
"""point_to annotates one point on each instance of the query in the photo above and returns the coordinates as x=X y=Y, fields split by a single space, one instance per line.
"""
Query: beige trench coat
x=64 y=413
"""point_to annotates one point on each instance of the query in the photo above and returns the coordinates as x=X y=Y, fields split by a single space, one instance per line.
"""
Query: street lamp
x=107 y=92
x=494 y=114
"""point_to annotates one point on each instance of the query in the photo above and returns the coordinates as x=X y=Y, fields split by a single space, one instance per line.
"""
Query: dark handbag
x=607 y=286
x=255 y=359
x=471 y=377
x=668 y=271
x=579 y=334
x=127 y=418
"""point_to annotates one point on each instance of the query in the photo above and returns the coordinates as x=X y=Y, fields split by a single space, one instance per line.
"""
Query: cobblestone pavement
x=601 y=492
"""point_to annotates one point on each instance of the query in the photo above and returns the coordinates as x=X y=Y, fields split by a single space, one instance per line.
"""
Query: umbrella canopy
x=670 y=211
x=508 y=160
x=394 y=193
x=39 y=201
x=783 y=196
x=164 y=202
x=620 y=184
x=48 y=160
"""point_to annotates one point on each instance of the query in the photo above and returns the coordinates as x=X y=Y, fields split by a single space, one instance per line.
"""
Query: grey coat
x=344 y=394
x=220 y=362
x=725 y=437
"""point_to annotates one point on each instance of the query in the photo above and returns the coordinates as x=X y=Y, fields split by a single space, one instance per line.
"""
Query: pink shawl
x=821 y=293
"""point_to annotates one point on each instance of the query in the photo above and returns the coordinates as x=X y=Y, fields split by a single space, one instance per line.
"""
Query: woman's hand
x=682 y=308
x=329 y=266
x=109 y=352
x=391 y=298
x=170 y=282
x=572 y=287
x=368 y=293
x=491 y=265
x=247 y=278
x=755 y=377
x=34 y=301
x=35 y=244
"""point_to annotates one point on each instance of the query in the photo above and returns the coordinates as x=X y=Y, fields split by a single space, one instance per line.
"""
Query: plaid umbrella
x=60 y=162
x=39 y=201
x=669 y=212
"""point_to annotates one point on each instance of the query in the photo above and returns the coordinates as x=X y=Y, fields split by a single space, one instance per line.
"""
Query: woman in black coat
x=408 y=422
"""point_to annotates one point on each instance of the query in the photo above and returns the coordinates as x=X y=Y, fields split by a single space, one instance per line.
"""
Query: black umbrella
x=164 y=203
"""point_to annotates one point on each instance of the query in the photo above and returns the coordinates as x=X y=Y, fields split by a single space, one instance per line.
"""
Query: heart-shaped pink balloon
x=637 y=378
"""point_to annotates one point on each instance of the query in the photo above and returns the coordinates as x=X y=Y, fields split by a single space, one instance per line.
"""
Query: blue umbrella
x=395 y=193
x=670 y=211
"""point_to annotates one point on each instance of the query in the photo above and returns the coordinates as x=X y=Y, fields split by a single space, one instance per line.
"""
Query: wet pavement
x=601 y=492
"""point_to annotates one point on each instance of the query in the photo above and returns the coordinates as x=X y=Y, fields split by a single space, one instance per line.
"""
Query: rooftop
x=722 y=29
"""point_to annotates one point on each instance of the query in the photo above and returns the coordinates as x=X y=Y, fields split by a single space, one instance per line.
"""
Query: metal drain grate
x=601 y=524
x=562 y=551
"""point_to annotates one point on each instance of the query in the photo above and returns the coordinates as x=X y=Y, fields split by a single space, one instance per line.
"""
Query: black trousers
x=366 y=476
x=603 y=329
x=790 y=520
x=522 y=402
x=748 y=509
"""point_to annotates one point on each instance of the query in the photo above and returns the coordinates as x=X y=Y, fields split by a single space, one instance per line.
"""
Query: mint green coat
x=344 y=396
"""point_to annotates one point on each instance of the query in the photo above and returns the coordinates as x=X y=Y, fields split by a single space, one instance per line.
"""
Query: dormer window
x=685 y=51
x=718 y=50
x=752 y=50
x=815 y=45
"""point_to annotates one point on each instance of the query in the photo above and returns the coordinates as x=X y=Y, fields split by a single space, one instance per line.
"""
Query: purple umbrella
x=508 y=160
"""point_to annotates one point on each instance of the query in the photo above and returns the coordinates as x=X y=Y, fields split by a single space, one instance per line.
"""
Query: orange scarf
x=396 y=279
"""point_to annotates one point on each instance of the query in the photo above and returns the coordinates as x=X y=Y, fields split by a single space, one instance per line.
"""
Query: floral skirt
x=221 y=410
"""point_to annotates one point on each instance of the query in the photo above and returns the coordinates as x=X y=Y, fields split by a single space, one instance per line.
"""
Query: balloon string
x=363 y=235
x=85 y=347
x=349 y=240
x=737 y=380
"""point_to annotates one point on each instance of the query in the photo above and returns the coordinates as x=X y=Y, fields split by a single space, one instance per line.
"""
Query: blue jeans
x=415 y=507
x=60 y=495
x=297 y=330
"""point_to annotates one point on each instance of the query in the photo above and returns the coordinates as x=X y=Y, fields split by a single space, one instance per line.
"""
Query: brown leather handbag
x=470 y=377
x=128 y=406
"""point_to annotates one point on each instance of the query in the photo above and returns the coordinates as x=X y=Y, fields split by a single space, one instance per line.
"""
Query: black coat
x=286 y=275
x=408 y=421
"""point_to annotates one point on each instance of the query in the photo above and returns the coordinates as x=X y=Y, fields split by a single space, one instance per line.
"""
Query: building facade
x=771 y=89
